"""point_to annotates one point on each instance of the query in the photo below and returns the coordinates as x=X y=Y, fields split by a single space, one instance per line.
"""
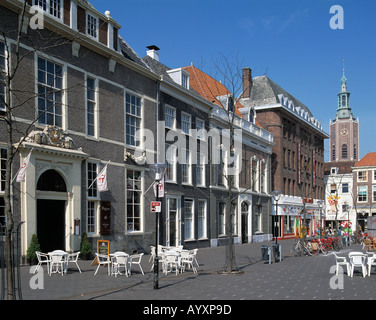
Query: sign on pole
x=160 y=189
x=156 y=206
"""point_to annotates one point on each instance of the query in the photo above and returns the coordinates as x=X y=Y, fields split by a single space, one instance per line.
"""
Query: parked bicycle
x=358 y=237
x=301 y=247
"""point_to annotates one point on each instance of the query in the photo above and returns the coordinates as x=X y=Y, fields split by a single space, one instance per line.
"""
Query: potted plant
x=31 y=251
x=85 y=247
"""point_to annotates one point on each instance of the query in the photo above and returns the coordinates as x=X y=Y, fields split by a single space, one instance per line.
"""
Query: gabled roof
x=368 y=160
x=209 y=88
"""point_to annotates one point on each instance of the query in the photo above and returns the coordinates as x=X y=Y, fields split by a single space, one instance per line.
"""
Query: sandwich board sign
x=156 y=206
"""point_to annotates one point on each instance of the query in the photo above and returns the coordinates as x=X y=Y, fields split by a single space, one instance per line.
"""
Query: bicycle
x=337 y=244
x=300 y=248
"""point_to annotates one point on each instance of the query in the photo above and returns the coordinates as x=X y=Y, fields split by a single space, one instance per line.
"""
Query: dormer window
x=180 y=76
x=92 y=26
x=53 y=7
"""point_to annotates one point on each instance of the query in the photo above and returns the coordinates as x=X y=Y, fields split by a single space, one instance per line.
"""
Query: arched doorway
x=245 y=212
x=51 y=211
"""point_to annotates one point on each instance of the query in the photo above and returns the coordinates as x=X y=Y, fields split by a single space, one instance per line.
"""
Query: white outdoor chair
x=151 y=259
x=103 y=260
x=43 y=258
x=136 y=259
x=358 y=260
x=120 y=261
x=187 y=260
x=152 y=254
x=59 y=260
x=342 y=261
x=72 y=258
x=194 y=256
x=171 y=263
x=371 y=261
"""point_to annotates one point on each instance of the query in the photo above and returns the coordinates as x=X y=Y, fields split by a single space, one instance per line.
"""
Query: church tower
x=344 y=129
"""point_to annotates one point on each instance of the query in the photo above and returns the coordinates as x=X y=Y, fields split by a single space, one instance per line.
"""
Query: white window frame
x=93 y=112
x=202 y=217
x=263 y=177
x=177 y=211
x=362 y=179
x=366 y=194
x=94 y=199
x=50 y=89
x=221 y=219
x=201 y=170
x=3 y=217
x=189 y=220
x=171 y=162
x=373 y=193
x=49 y=7
x=131 y=188
x=171 y=115
x=3 y=158
x=186 y=123
x=200 y=125
x=3 y=57
x=186 y=166
x=92 y=29
x=134 y=113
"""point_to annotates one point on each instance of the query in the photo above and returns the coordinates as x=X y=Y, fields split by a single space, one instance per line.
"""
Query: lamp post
x=276 y=194
x=158 y=170
x=320 y=202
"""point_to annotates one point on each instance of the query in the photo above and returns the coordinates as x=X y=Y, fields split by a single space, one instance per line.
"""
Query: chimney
x=247 y=83
x=153 y=52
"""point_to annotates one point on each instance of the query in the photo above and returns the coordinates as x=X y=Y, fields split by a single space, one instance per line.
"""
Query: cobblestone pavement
x=295 y=278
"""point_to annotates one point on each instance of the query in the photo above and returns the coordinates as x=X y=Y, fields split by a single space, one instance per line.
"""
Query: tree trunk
x=7 y=194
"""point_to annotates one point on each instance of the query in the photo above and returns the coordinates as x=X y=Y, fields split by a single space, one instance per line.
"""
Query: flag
x=102 y=180
x=22 y=171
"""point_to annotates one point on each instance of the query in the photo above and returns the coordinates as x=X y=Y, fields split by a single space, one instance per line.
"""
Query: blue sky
x=288 y=40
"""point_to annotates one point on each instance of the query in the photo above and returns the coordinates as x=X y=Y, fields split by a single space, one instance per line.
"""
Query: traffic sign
x=156 y=206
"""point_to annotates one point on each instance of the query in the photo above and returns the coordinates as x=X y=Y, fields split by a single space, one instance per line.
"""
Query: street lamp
x=320 y=203
x=158 y=171
x=276 y=194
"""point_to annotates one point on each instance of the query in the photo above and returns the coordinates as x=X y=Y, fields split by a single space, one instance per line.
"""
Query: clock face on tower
x=344 y=132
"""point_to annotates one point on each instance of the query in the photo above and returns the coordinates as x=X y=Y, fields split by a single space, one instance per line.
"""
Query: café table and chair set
x=119 y=261
x=57 y=261
x=364 y=261
x=175 y=259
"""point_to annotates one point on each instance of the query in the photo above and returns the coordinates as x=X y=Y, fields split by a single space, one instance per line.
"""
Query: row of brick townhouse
x=83 y=100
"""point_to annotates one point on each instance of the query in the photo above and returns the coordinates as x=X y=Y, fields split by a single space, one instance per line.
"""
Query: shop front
x=288 y=223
